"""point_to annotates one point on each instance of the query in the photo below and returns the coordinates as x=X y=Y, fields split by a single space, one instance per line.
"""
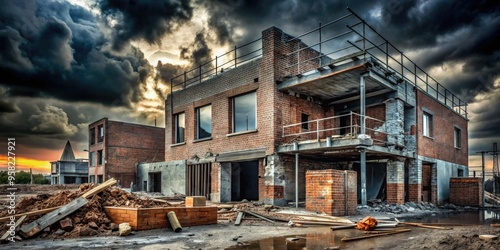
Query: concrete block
x=196 y=201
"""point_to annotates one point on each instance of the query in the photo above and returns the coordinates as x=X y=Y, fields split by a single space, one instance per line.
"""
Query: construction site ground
x=255 y=233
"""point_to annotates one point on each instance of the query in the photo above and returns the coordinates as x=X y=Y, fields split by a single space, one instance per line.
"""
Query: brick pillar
x=327 y=190
x=434 y=194
x=415 y=180
x=274 y=182
x=395 y=182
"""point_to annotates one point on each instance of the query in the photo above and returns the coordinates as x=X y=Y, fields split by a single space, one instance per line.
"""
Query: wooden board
x=99 y=188
x=53 y=217
x=18 y=222
x=259 y=216
x=238 y=218
x=37 y=212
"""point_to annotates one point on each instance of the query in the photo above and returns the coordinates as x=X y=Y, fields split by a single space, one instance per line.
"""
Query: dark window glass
x=204 y=122
x=244 y=113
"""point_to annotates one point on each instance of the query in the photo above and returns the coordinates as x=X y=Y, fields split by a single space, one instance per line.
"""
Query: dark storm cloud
x=147 y=20
x=62 y=55
x=198 y=52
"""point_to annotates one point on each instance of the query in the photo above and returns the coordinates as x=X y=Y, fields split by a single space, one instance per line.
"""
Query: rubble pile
x=90 y=219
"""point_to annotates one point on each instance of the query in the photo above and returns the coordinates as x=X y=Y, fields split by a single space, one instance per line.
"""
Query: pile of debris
x=408 y=207
x=89 y=219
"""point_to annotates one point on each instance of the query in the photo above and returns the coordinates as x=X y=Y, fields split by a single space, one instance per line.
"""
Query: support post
x=362 y=100
x=482 y=184
x=363 y=177
x=297 y=180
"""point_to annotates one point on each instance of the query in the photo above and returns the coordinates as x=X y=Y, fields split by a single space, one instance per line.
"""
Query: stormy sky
x=65 y=64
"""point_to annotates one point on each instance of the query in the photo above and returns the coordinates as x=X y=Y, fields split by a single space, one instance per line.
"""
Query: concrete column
x=274 y=181
x=415 y=180
x=395 y=182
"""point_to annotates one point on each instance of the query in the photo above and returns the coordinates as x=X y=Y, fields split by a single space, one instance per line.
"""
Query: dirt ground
x=253 y=233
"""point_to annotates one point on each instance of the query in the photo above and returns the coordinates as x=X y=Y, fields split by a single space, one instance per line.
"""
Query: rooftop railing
x=231 y=59
x=351 y=35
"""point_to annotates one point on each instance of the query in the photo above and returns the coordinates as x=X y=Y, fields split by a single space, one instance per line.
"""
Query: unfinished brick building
x=115 y=149
x=252 y=122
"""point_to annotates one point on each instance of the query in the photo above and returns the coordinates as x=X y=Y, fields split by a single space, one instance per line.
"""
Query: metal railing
x=231 y=59
x=349 y=35
x=341 y=127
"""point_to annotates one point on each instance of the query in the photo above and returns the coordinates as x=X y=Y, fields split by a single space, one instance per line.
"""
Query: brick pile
x=89 y=220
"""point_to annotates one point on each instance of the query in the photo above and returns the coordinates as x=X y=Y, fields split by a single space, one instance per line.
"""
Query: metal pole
x=482 y=168
x=363 y=177
x=297 y=180
x=362 y=106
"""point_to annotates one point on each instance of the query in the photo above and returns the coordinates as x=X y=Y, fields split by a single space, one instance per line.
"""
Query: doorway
x=245 y=180
x=155 y=182
x=426 y=182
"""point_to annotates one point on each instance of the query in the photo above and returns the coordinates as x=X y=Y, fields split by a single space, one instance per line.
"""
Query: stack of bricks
x=466 y=191
x=326 y=191
x=150 y=218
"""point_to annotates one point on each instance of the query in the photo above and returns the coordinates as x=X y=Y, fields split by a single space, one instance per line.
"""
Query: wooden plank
x=18 y=222
x=342 y=227
x=374 y=235
x=258 y=216
x=425 y=226
x=238 y=218
x=162 y=201
x=323 y=223
x=99 y=188
x=53 y=217
x=37 y=212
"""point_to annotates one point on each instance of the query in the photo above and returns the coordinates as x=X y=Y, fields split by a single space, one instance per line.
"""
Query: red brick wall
x=125 y=145
x=395 y=193
x=325 y=191
x=442 y=145
x=150 y=218
x=415 y=192
x=466 y=191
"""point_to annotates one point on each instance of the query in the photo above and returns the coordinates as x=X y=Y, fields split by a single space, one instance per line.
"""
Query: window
x=460 y=173
x=54 y=168
x=457 y=136
x=180 y=125
x=204 y=122
x=91 y=158
x=427 y=128
x=244 y=113
x=92 y=136
x=99 y=179
x=92 y=179
x=100 y=157
x=100 y=135
x=305 y=121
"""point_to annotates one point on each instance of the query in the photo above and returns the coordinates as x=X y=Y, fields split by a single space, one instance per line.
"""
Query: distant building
x=68 y=169
x=115 y=149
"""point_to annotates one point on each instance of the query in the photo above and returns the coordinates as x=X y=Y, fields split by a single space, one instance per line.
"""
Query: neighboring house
x=115 y=149
x=253 y=124
x=68 y=169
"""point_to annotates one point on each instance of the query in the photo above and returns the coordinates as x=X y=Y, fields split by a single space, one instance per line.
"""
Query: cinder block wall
x=466 y=191
x=326 y=191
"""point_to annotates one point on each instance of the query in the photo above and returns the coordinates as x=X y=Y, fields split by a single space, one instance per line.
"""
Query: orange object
x=367 y=224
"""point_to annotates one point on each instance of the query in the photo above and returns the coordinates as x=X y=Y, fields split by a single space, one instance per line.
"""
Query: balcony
x=341 y=135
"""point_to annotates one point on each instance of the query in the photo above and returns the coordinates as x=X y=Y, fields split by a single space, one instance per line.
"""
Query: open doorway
x=426 y=182
x=155 y=182
x=245 y=180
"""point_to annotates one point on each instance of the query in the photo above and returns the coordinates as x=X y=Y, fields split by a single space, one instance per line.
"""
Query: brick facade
x=444 y=121
x=466 y=191
x=124 y=145
x=326 y=191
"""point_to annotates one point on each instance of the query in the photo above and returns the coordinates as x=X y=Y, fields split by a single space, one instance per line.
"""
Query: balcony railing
x=341 y=127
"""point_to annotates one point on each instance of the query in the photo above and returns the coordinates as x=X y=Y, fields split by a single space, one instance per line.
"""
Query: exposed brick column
x=326 y=191
x=394 y=122
x=274 y=183
x=395 y=182
x=415 y=180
